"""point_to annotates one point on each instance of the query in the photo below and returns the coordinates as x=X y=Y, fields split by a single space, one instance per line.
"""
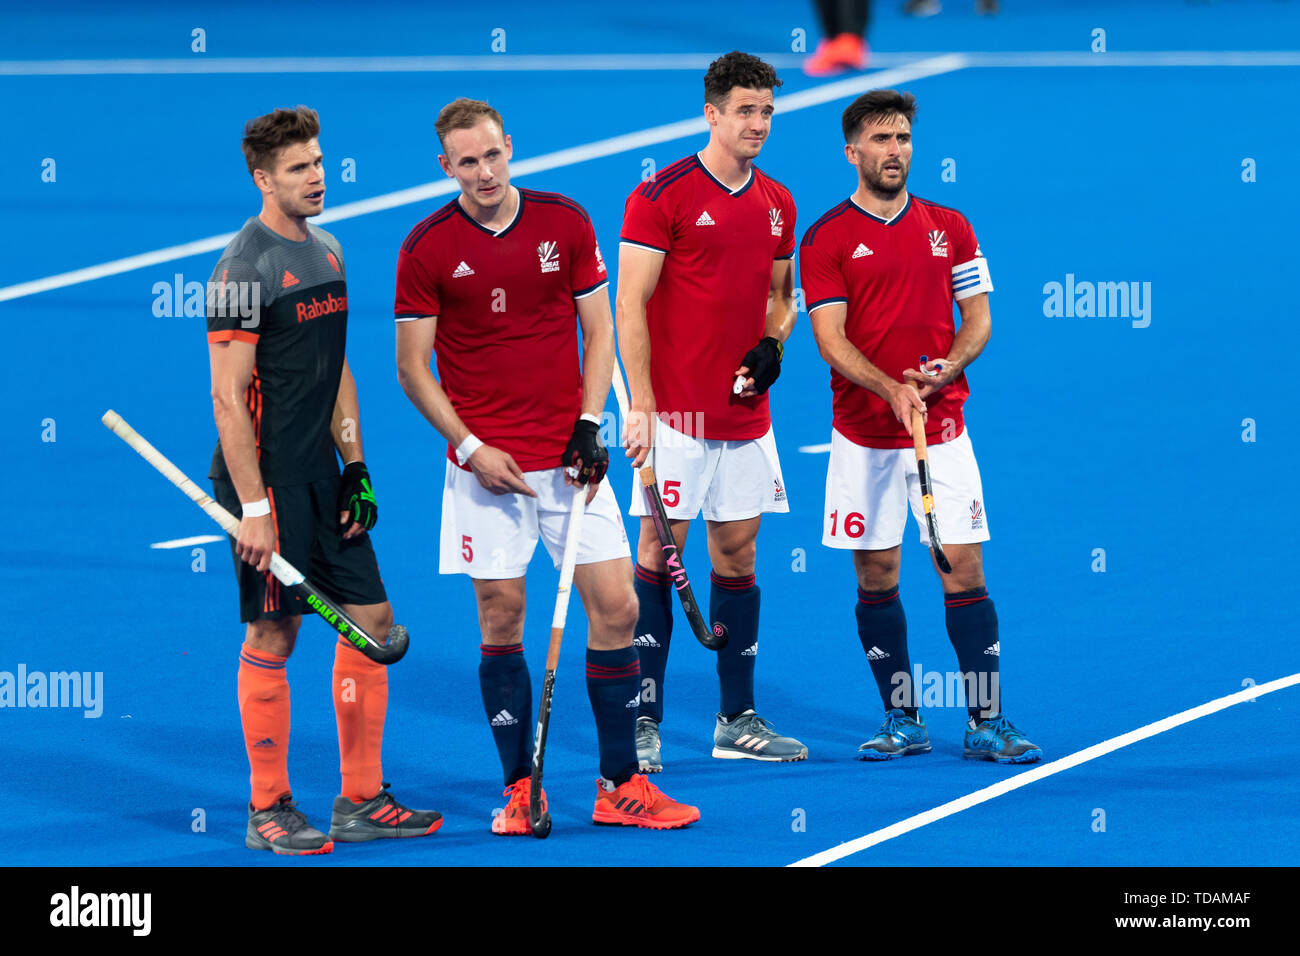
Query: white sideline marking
x=815 y=96
x=919 y=820
x=197 y=65
x=815 y=449
x=186 y=542
x=609 y=62
x=1071 y=58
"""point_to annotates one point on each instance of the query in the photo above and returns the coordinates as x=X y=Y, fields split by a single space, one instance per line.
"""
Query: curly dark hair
x=265 y=136
x=737 y=69
x=876 y=105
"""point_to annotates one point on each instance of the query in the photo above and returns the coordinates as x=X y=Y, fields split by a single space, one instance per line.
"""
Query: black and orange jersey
x=291 y=300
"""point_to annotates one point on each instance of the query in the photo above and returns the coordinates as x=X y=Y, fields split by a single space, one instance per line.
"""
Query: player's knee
x=502 y=622
x=963 y=579
x=734 y=559
x=650 y=553
x=877 y=570
x=620 y=616
x=273 y=636
x=383 y=619
x=967 y=568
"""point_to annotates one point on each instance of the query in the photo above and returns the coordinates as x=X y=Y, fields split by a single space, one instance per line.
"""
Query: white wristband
x=467 y=448
x=590 y=418
x=256 y=509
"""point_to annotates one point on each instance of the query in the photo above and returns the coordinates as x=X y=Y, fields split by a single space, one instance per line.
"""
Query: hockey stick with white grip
x=538 y=818
x=285 y=573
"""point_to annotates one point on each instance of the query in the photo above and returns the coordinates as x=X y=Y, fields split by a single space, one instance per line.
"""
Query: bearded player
x=881 y=271
x=706 y=295
x=490 y=283
x=285 y=406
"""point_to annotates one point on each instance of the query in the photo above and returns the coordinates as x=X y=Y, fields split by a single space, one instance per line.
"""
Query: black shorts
x=307 y=536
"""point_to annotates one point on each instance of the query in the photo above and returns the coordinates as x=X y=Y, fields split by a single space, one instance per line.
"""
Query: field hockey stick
x=927 y=493
x=285 y=573
x=538 y=818
x=714 y=638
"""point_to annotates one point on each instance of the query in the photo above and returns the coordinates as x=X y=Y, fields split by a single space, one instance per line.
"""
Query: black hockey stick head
x=393 y=651
x=541 y=826
x=936 y=547
x=715 y=638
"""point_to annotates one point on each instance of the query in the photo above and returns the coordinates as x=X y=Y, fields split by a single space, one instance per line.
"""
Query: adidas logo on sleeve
x=504 y=719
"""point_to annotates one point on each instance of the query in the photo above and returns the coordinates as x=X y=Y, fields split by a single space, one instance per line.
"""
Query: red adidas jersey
x=899 y=278
x=507 y=338
x=710 y=305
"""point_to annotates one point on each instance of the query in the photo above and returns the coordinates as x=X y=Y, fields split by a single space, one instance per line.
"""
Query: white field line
x=816 y=96
x=487 y=63
x=187 y=542
x=919 y=820
x=610 y=62
x=815 y=449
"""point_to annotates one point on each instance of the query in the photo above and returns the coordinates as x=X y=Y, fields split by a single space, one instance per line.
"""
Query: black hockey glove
x=764 y=363
x=585 y=446
x=357 y=497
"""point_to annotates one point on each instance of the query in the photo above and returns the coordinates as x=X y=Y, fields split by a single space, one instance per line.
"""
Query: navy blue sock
x=613 y=686
x=882 y=629
x=734 y=602
x=654 y=629
x=508 y=703
x=973 y=629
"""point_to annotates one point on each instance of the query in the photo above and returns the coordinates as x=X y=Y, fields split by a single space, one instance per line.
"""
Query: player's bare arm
x=638 y=274
x=597 y=362
x=976 y=326
x=845 y=358
x=781 y=313
x=495 y=470
x=345 y=427
x=231 y=364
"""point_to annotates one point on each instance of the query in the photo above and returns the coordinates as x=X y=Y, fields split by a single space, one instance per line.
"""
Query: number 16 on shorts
x=869 y=492
x=852 y=525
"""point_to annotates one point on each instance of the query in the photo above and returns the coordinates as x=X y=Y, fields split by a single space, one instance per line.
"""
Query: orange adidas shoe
x=513 y=820
x=639 y=803
x=844 y=52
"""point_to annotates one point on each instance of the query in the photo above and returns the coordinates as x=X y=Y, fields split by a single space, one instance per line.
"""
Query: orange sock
x=360 y=704
x=263 y=691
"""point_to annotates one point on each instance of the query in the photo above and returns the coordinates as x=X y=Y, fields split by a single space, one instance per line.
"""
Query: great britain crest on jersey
x=778 y=224
x=600 y=261
x=976 y=515
x=939 y=243
x=549 y=256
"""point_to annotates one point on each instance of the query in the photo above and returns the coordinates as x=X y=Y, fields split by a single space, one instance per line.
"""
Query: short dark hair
x=737 y=69
x=464 y=114
x=265 y=136
x=876 y=105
